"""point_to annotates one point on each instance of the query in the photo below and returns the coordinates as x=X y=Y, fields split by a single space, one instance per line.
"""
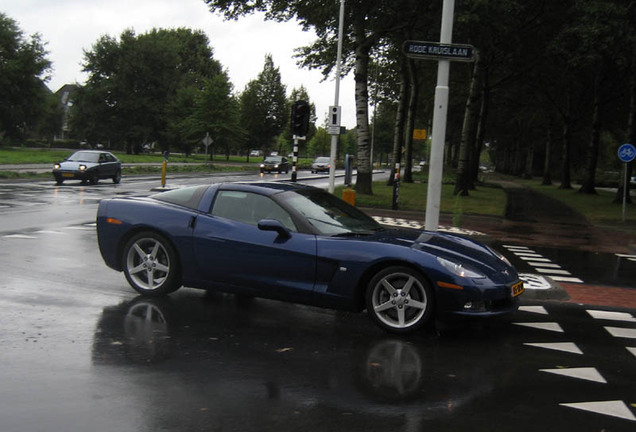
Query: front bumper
x=71 y=175
x=479 y=301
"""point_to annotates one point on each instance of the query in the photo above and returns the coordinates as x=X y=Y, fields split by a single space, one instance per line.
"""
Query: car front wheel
x=94 y=178
x=117 y=177
x=150 y=264
x=399 y=300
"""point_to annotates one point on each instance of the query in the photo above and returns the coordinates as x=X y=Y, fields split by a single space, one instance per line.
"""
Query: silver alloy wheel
x=399 y=300
x=148 y=263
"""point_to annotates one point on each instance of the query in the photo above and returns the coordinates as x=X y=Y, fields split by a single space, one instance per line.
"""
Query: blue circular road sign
x=627 y=152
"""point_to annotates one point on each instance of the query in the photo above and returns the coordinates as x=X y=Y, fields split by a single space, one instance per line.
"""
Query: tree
x=264 y=109
x=144 y=88
x=23 y=65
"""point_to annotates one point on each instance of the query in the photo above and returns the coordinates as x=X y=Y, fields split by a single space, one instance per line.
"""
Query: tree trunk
x=481 y=127
x=592 y=149
x=565 y=161
x=631 y=126
x=547 y=178
x=364 y=180
x=529 y=162
x=410 y=121
x=398 y=130
x=462 y=184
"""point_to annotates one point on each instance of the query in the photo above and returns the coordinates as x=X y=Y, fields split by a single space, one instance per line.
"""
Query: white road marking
x=535 y=259
x=622 y=332
x=553 y=271
x=632 y=350
x=589 y=373
x=615 y=408
x=534 y=282
x=613 y=316
x=550 y=326
x=534 y=309
x=565 y=279
x=543 y=264
x=570 y=347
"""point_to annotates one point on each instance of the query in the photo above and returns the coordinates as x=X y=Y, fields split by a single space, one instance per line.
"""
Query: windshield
x=322 y=160
x=84 y=157
x=330 y=215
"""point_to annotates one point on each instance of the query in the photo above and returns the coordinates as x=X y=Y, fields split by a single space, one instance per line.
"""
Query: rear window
x=186 y=197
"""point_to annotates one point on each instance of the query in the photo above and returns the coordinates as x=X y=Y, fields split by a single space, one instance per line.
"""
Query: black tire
x=59 y=180
x=151 y=265
x=117 y=177
x=94 y=178
x=399 y=300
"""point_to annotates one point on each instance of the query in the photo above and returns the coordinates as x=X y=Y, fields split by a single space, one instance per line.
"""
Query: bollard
x=349 y=196
x=163 y=173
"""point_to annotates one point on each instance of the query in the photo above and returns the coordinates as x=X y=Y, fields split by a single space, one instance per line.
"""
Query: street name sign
x=436 y=50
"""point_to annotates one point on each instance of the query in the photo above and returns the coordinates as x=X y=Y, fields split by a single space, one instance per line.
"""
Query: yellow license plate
x=67 y=175
x=517 y=289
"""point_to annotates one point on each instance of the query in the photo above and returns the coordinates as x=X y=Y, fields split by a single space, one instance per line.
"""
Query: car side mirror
x=273 y=225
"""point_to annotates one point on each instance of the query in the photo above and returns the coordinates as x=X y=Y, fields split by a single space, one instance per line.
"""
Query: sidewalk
x=532 y=219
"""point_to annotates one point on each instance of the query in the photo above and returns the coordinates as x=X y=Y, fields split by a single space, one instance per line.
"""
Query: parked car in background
x=321 y=164
x=275 y=163
x=256 y=153
x=88 y=166
x=298 y=243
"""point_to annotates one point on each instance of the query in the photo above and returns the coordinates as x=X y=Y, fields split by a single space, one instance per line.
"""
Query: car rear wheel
x=150 y=264
x=399 y=300
x=117 y=177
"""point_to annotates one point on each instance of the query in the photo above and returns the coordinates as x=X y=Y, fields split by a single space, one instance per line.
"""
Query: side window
x=249 y=208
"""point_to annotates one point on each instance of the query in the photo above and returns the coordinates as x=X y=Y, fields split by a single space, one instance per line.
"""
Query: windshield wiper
x=354 y=234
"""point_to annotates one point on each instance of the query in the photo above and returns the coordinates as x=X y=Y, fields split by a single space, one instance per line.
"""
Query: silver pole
x=436 y=160
x=334 y=138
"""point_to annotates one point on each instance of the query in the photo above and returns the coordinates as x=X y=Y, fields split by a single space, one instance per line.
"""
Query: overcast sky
x=71 y=26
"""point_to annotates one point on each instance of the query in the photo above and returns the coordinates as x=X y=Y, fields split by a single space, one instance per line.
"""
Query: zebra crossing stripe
x=534 y=309
x=565 y=279
x=613 y=316
x=585 y=373
x=550 y=326
x=569 y=347
x=542 y=265
x=621 y=332
x=615 y=408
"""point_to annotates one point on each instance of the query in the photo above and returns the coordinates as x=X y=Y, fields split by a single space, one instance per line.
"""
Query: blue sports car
x=297 y=243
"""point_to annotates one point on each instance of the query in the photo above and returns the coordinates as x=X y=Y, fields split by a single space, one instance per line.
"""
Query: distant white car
x=256 y=153
x=321 y=164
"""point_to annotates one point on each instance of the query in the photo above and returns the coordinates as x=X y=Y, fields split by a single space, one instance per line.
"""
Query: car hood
x=462 y=250
x=72 y=165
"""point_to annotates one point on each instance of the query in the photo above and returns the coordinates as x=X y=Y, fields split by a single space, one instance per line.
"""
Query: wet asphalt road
x=80 y=351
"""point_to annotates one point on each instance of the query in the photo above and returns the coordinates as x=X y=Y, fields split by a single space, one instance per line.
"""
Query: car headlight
x=276 y=166
x=499 y=255
x=459 y=270
x=262 y=165
x=57 y=166
x=82 y=167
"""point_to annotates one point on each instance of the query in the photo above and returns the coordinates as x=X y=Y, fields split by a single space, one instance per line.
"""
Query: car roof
x=91 y=151
x=267 y=188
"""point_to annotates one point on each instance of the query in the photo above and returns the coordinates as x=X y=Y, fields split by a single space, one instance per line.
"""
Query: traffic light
x=300 y=118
